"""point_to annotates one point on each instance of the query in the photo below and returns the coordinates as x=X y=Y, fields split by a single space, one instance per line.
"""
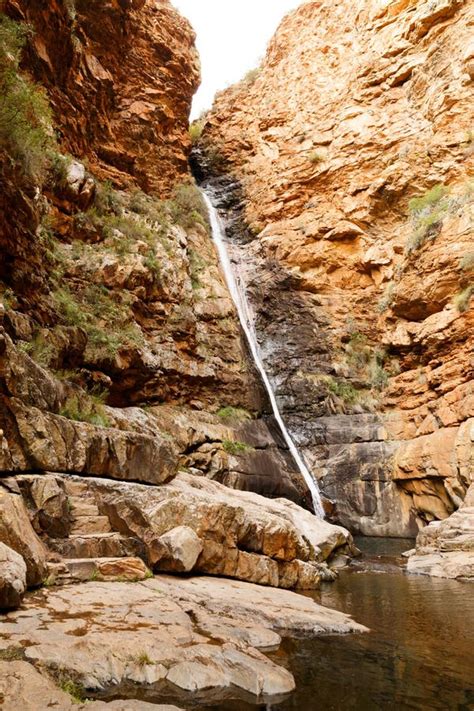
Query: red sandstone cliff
x=353 y=146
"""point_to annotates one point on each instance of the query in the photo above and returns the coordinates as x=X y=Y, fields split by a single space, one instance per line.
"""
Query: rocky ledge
x=183 y=635
x=445 y=549
x=89 y=528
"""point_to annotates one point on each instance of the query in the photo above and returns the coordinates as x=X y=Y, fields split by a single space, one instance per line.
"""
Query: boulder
x=445 y=549
x=242 y=535
x=181 y=549
x=17 y=533
x=12 y=577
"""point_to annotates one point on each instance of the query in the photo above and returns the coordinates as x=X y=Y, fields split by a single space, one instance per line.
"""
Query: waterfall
x=241 y=304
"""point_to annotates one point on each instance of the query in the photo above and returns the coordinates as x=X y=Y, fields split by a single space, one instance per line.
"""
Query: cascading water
x=240 y=301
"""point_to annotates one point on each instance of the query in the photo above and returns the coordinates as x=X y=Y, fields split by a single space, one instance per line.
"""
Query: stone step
x=88 y=569
x=98 y=545
x=90 y=524
x=79 y=488
x=58 y=574
x=79 y=507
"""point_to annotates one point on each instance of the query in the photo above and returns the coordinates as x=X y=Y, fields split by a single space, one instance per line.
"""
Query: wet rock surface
x=187 y=632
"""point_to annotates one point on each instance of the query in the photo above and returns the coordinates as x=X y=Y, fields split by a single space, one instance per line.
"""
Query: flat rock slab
x=195 y=634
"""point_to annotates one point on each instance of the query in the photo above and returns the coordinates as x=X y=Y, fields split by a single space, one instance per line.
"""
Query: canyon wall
x=123 y=371
x=344 y=164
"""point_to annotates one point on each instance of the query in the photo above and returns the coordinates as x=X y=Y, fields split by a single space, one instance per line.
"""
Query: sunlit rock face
x=362 y=295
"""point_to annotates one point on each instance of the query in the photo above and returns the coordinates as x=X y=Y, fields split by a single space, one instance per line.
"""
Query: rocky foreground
x=187 y=635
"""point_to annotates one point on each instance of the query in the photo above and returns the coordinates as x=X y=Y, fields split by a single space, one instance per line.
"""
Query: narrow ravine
x=240 y=301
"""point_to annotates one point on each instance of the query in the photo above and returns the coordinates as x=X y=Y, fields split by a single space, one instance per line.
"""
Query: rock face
x=445 y=549
x=91 y=57
x=344 y=169
x=179 y=633
x=12 y=578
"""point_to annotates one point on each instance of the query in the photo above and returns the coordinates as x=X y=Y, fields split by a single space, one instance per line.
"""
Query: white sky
x=231 y=38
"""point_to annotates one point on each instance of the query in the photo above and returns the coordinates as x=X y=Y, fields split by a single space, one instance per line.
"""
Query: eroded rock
x=12 y=577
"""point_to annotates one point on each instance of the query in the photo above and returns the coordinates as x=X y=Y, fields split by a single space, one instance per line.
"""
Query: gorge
x=226 y=349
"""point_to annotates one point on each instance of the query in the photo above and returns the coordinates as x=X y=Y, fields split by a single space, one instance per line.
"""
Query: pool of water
x=418 y=655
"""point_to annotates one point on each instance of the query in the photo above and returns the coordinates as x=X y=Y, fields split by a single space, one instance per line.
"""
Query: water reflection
x=418 y=656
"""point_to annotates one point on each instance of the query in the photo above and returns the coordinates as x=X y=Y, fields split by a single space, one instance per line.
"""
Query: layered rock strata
x=348 y=156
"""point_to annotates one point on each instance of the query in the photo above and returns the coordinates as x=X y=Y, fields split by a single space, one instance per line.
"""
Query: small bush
x=463 y=299
x=85 y=410
x=187 y=207
x=26 y=132
x=428 y=212
x=75 y=690
x=467 y=262
x=234 y=414
x=316 y=157
x=235 y=448
x=252 y=76
x=103 y=315
x=428 y=200
x=39 y=349
x=107 y=200
x=343 y=389
x=195 y=131
x=143 y=659
x=387 y=298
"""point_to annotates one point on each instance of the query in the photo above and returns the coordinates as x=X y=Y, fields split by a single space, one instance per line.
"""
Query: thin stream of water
x=240 y=301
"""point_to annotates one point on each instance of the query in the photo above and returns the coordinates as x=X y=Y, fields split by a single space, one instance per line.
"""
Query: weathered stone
x=17 y=533
x=105 y=634
x=445 y=549
x=182 y=548
x=53 y=443
x=243 y=535
x=23 y=687
x=12 y=577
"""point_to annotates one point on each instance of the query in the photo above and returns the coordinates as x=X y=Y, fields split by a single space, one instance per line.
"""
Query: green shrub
x=386 y=299
x=316 y=157
x=343 y=389
x=234 y=414
x=75 y=690
x=195 y=131
x=467 y=262
x=187 y=207
x=26 y=132
x=107 y=200
x=462 y=300
x=103 y=315
x=235 y=448
x=429 y=199
x=39 y=349
x=196 y=265
x=428 y=212
x=85 y=410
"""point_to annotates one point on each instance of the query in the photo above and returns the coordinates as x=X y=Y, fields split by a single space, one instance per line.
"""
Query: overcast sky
x=231 y=38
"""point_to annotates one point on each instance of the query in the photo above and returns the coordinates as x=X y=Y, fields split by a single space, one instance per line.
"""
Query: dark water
x=418 y=655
